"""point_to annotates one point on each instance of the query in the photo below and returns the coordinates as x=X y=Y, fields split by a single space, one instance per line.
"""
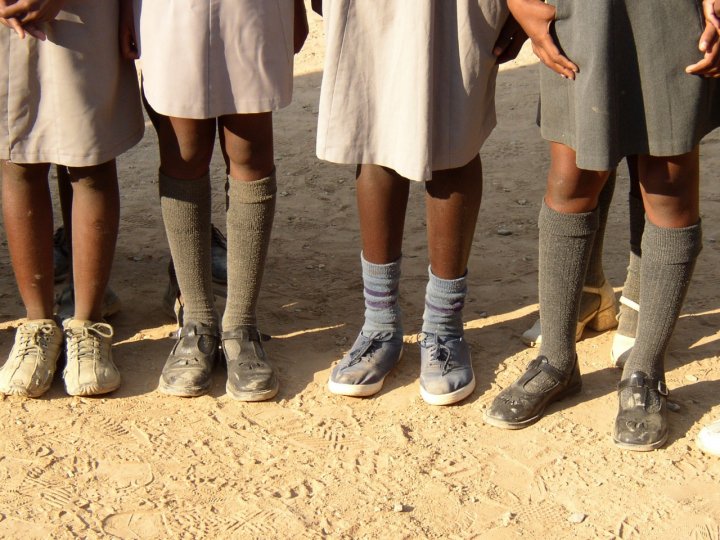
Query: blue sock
x=444 y=301
x=380 y=289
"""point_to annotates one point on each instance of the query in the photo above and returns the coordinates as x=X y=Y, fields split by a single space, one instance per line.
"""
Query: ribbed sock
x=565 y=244
x=444 y=302
x=631 y=289
x=381 y=284
x=185 y=206
x=668 y=260
x=250 y=213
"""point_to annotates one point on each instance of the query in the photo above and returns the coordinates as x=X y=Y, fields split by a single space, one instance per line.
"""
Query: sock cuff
x=390 y=270
x=569 y=225
x=254 y=192
x=181 y=189
x=448 y=286
x=671 y=245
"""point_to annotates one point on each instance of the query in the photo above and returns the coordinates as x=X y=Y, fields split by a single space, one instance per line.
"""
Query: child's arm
x=126 y=32
x=536 y=17
x=711 y=8
x=30 y=14
x=301 y=30
x=709 y=45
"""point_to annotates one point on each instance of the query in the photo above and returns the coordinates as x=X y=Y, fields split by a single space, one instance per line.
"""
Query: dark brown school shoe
x=641 y=424
x=188 y=369
x=251 y=377
x=516 y=408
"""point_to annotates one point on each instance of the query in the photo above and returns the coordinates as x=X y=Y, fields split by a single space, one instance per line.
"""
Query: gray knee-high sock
x=565 y=244
x=444 y=301
x=381 y=284
x=631 y=289
x=595 y=276
x=250 y=213
x=185 y=206
x=668 y=260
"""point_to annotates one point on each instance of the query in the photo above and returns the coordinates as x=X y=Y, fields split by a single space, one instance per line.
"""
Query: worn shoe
x=61 y=256
x=30 y=367
x=599 y=319
x=708 y=439
x=362 y=371
x=516 y=407
x=65 y=303
x=622 y=345
x=188 y=368
x=251 y=377
x=218 y=248
x=90 y=369
x=446 y=373
x=641 y=424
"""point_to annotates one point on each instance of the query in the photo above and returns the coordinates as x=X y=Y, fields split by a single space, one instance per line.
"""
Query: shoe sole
x=504 y=424
x=91 y=391
x=263 y=395
x=448 y=399
x=641 y=447
x=22 y=392
x=196 y=391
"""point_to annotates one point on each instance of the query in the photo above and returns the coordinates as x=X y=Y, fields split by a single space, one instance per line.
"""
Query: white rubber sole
x=448 y=399
x=355 y=390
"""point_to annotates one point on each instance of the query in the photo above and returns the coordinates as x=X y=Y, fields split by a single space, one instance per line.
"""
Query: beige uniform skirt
x=408 y=84
x=69 y=100
x=204 y=59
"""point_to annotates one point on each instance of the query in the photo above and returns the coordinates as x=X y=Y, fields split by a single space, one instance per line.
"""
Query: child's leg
x=670 y=245
x=95 y=219
x=568 y=221
x=27 y=213
x=452 y=201
x=382 y=197
x=247 y=141
x=186 y=148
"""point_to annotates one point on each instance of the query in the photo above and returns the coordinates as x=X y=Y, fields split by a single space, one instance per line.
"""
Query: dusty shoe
x=600 y=318
x=251 y=377
x=218 y=248
x=446 y=373
x=30 y=367
x=641 y=424
x=188 y=369
x=88 y=348
x=708 y=439
x=363 y=369
x=65 y=303
x=61 y=255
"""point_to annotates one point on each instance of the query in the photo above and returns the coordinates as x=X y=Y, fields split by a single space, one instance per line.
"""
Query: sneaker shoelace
x=33 y=339
x=368 y=346
x=439 y=353
x=86 y=342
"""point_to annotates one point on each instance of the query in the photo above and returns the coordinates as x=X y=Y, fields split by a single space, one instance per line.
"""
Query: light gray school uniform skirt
x=408 y=84
x=204 y=59
x=632 y=95
x=70 y=100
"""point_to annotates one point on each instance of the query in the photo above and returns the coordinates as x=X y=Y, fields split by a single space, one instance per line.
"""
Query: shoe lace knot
x=34 y=338
x=85 y=342
x=438 y=353
x=366 y=348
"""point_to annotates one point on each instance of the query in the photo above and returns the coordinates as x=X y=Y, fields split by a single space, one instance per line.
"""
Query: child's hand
x=510 y=41
x=711 y=9
x=126 y=32
x=300 y=28
x=31 y=14
x=536 y=17
x=709 y=65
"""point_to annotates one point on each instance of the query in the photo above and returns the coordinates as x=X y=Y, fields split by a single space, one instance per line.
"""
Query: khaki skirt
x=69 y=100
x=203 y=59
x=632 y=95
x=408 y=84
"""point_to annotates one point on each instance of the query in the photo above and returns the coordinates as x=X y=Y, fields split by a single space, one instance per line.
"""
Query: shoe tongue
x=77 y=323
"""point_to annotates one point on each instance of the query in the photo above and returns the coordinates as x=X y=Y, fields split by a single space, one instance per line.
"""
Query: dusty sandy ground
x=137 y=464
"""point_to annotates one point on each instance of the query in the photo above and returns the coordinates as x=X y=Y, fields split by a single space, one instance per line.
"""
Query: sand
x=137 y=464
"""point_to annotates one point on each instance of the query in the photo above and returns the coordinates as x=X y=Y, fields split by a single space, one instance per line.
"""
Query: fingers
x=551 y=56
x=708 y=37
x=17 y=10
x=709 y=64
x=711 y=13
x=15 y=25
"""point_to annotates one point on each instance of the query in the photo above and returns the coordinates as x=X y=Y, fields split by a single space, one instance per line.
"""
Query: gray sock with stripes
x=381 y=284
x=444 y=301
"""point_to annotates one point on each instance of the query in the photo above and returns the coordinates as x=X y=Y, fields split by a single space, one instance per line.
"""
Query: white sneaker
x=708 y=439
x=90 y=369
x=30 y=367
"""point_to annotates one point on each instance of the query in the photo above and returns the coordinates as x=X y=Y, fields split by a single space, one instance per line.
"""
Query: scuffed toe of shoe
x=251 y=376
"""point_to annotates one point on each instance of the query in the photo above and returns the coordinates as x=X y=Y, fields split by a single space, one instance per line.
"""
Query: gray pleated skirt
x=632 y=95
x=408 y=84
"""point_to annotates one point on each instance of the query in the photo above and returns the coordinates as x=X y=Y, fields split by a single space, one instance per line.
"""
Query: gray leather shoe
x=251 y=377
x=362 y=371
x=188 y=369
x=446 y=374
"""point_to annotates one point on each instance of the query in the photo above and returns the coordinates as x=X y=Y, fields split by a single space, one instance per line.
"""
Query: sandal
x=641 y=423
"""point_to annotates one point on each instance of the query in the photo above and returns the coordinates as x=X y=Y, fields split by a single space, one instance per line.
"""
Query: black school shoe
x=641 y=424
x=188 y=369
x=251 y=377
x=516 y=408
